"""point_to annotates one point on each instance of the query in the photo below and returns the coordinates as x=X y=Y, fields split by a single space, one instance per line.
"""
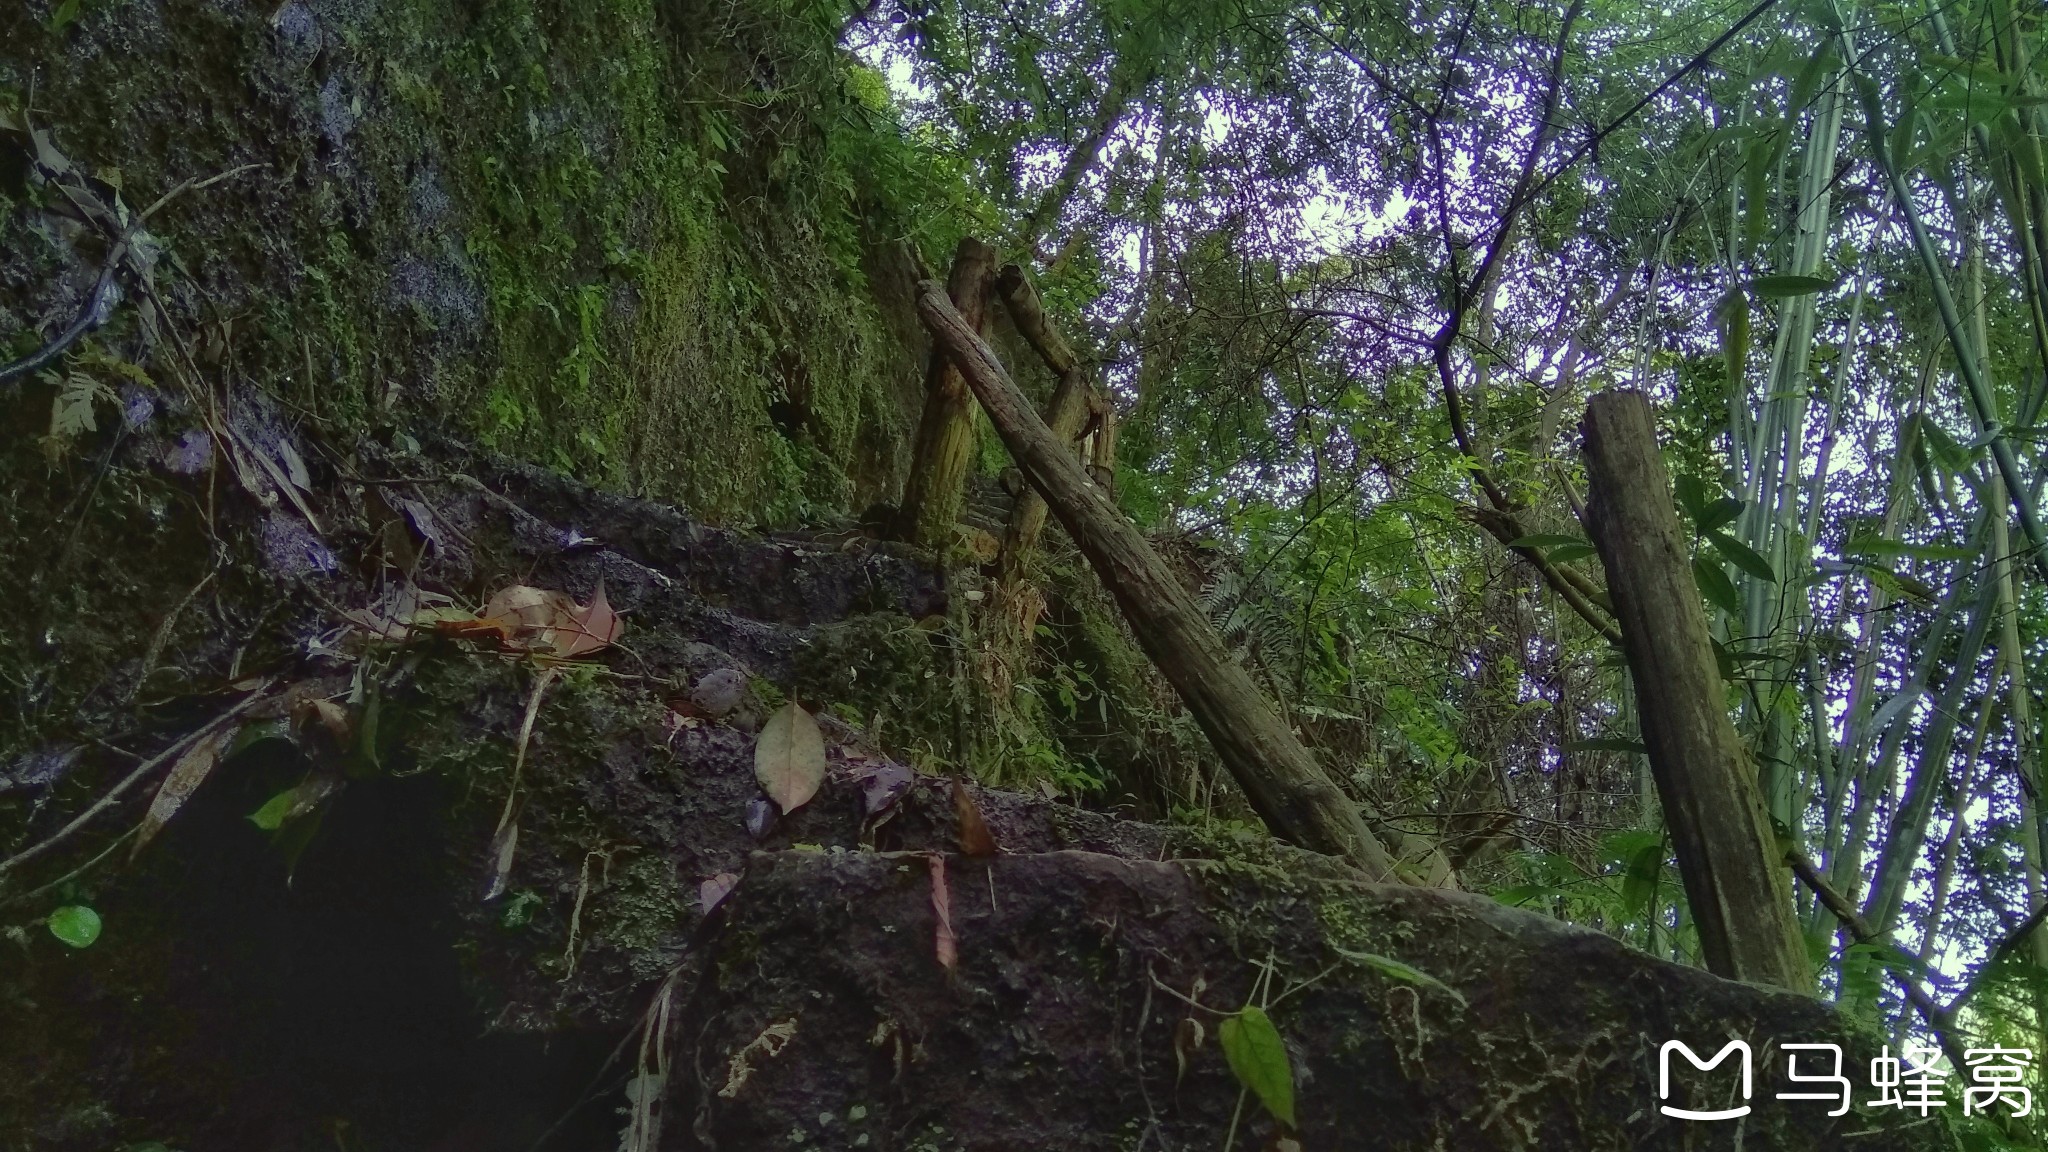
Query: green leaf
x=1718 y=514
x=1640 y=877
x=76 y=925
x=1566 y=553
x=1715 y=586
x=1783 y=286
x=1872 y=546
x=1259 y=1059
x=1408 y=973
x=1742 y=556
x=1692 y=495
x=1544 y=541
x=64 y=15
x=270 y=817
x=1605 y=744
x=1521 y=894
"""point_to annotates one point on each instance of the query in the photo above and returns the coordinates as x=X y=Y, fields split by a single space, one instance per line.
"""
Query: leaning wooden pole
x=945 y=432
x=1735 y=880
x=1283 y=782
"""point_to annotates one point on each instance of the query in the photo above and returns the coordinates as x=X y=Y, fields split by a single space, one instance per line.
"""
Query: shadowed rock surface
x=362 y=992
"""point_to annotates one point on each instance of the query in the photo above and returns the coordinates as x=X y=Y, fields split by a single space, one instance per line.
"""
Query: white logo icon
x=1664 y=1079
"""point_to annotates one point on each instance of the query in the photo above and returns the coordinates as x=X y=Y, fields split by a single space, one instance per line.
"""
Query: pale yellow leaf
x=789 y=757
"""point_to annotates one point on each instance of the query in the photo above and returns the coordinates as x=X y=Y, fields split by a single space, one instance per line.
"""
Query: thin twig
x=99 y=304
x=193 y=185
x=1939 y=1020
x=142 y=770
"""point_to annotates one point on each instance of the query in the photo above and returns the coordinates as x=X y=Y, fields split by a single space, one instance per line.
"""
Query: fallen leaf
x=769 y=1043
x=504 y=846
x=524 y=612
x=712 y=892
x=882 y=784
x=1281 y=1141
x=945 y=945
x=719 y=692
x=975 y=839
x=789 y=757
x=185 y=776
x=331 y=716
x=1188 y=1036
x=761 y=814
x=589 y=628
x=293 y=803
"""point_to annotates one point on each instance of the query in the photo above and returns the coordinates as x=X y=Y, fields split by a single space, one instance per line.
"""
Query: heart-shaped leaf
x=789 y=757
x=1259 y=1058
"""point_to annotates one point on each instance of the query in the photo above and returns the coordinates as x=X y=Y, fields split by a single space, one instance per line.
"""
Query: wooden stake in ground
x=1283 y=782
x=945 y=433
x=1735 y=880
x=1065 y=415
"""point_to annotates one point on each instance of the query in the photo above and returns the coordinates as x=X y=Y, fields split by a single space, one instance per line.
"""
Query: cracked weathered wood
x=1735 y=881
x=945 y=432
x=1066 y=414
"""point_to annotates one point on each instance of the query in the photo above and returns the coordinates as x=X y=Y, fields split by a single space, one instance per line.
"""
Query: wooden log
x=1735 y=881
x=1283 y=782
x=1066 y=414
x=945 y=432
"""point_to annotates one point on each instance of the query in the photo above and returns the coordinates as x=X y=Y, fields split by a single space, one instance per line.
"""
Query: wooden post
x=1065 y=415
x=1735 y=879
x=945 y=433
x=1283 y=782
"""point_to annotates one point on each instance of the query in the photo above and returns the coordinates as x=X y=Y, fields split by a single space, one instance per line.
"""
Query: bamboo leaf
x=1407 y=973
x=1258 y=1057
x=185 y=777
x=1715 y=586
x=1606 y=744
x=1742 y=556
x=1719 y=514
x=1782 y=287
x=1881 y=547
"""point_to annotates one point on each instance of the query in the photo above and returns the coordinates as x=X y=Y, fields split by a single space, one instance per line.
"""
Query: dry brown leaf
x=524 y=612
x=185 y=777
x=713 y=891
x=789 y=757
x=331 y=716
x=975 y=838
x=504 y=847
x=945 y=945
x=589 y=628
x=1188 y=1036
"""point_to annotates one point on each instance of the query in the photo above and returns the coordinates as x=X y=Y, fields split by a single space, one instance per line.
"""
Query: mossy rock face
x=582 y=233
x=1413 y=1019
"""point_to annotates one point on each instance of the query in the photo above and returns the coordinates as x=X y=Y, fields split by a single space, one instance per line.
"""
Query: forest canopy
x=1351 y=271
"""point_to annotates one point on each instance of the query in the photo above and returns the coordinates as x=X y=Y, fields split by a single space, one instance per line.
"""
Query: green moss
x=588 y=234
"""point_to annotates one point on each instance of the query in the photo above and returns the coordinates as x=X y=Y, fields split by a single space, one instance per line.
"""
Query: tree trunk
x=1065 y=415
x=945 y=432
x=1735 y=880
x=1283 y=782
